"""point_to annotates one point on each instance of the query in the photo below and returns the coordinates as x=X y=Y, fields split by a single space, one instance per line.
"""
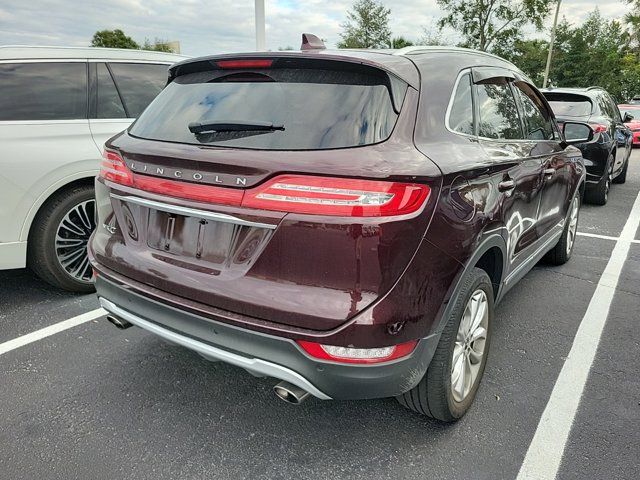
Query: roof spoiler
x=312 y=42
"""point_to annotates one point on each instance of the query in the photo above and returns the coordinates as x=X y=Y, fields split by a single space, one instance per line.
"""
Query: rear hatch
x=285 y=189
x=570 y=106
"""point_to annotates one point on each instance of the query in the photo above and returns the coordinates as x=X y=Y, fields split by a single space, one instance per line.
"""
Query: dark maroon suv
x=343 y=221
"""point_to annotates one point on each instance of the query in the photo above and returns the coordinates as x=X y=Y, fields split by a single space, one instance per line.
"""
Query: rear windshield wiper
x=198 y=128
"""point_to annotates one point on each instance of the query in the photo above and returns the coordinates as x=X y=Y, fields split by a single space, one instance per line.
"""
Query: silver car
x=58 y=105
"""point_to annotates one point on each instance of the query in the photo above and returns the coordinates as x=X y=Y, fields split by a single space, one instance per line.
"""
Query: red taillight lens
x=599 y=128
x=357 y=355
x=250 y=63
x=113 y=168
x=337 y=196
x=191 y=191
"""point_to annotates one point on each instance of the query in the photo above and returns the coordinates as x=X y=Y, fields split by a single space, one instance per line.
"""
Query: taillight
x=357 y=355
x=599 y=128
x=249 y=63
x=337 y=196
x=113 y=168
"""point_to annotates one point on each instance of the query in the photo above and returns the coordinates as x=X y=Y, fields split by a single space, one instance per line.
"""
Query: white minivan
x=58 y=105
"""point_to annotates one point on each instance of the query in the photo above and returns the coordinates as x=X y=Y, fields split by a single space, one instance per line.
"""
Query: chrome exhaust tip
x=290 y=393
x=119 y=323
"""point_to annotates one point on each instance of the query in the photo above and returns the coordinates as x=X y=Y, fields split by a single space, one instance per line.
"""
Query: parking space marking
x=607 y=237
x=544 y=455
x=50 y=330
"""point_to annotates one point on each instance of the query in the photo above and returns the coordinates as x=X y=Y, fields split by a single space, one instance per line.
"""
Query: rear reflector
x=599 y=128
x=286 y=193
x=250 y=63
x=357 y=355
x=337 y=196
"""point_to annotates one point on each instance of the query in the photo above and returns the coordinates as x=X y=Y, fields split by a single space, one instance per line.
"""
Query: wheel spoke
x=71 y=240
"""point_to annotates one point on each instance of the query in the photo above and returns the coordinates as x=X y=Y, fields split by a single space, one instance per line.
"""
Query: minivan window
x=138 y=84
x=569 y=104
x=109 y=103
x=318 y=109
x=461 y=114
x=537 y=121
x=43 y=91
x=498 y=111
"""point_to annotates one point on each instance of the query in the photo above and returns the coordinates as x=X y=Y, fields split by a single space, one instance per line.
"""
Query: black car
x=607 y=155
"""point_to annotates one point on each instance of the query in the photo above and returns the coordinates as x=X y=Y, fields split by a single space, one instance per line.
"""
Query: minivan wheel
x=561 y=253
x=448 y=388
x=599 y=194
x=58 y=239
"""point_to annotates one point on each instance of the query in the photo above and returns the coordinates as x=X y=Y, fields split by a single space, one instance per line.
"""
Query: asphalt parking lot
x=95 y=402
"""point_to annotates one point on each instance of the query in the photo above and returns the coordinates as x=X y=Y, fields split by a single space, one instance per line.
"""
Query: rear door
x=519 y=178
x=120 y=92
x=543 y=141
x=622 y=133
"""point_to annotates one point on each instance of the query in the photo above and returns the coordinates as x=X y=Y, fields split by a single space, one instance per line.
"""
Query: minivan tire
x=41 y=252
x=433 y=396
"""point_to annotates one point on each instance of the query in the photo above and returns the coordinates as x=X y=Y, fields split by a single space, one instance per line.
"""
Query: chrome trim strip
x=252 y=364
x=534 y=255
x=192 y=212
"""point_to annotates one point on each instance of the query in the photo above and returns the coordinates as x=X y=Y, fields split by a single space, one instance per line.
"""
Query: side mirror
x=577 y=132
x=627 y=118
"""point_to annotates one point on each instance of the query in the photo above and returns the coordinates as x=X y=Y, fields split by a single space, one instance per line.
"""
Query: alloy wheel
x=573 y=224
x=72 y=237
x=469 y=349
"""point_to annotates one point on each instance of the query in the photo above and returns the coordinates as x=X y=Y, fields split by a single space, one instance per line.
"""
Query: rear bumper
x=266 y=355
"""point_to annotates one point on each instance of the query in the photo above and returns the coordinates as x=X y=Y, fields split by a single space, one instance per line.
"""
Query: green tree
x=113 y=39
x=367 y=26
x=492 y=24
x=158 y=45
x=530 y=56
x=400 y=42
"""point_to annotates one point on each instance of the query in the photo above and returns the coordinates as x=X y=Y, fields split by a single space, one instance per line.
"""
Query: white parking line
x=607 y=237
x=50 y=330
x=544 y=455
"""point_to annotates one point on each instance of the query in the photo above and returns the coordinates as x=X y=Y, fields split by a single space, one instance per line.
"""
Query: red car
x=631 y=117
x=342 y=221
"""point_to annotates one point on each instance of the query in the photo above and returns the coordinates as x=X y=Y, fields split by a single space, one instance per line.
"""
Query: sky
x=213 y=26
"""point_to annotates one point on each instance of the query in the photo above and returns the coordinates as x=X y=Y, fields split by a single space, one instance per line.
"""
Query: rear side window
x=498 y=111
x=318 y=109
x=43 y=91
x=569 y=104
x=537 y=121
x=109 y=104
x=461 y=114
x=138 y=84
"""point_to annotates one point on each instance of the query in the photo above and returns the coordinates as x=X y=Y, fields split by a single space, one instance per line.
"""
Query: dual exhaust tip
x=285 y=391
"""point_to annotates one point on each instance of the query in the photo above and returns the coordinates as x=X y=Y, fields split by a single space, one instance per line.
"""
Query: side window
x=461 y=114
x=498 y=111
x=537 y=121
x=109 y=103
x=138 y=83
x=615 y=111
x=43 y=91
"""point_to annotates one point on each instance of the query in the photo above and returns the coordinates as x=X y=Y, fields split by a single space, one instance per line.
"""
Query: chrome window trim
x=192 y=212
x=257 y=365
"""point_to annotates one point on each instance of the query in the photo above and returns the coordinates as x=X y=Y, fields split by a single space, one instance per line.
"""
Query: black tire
x=41 y=254
x=599 y=194
x=622 y=177
x=561 y=253
x=433 y=396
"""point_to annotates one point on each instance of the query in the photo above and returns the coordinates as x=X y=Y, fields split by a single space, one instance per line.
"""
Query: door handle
x=506 y=185
x=549 y=172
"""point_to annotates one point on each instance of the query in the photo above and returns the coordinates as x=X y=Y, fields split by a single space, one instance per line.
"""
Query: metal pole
x=260 y=36
x=553 y=39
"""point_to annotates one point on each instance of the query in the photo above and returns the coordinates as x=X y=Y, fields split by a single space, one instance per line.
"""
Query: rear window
x=319 y=109
x=569 y=104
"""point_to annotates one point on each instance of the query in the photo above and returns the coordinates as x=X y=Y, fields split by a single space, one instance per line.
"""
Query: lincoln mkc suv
x=343 y=221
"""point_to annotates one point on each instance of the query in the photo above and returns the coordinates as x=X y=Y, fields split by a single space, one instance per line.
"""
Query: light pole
x=260 y=37
x=553 y=39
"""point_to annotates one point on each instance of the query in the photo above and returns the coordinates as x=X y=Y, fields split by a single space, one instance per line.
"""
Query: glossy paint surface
x=361 y=282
